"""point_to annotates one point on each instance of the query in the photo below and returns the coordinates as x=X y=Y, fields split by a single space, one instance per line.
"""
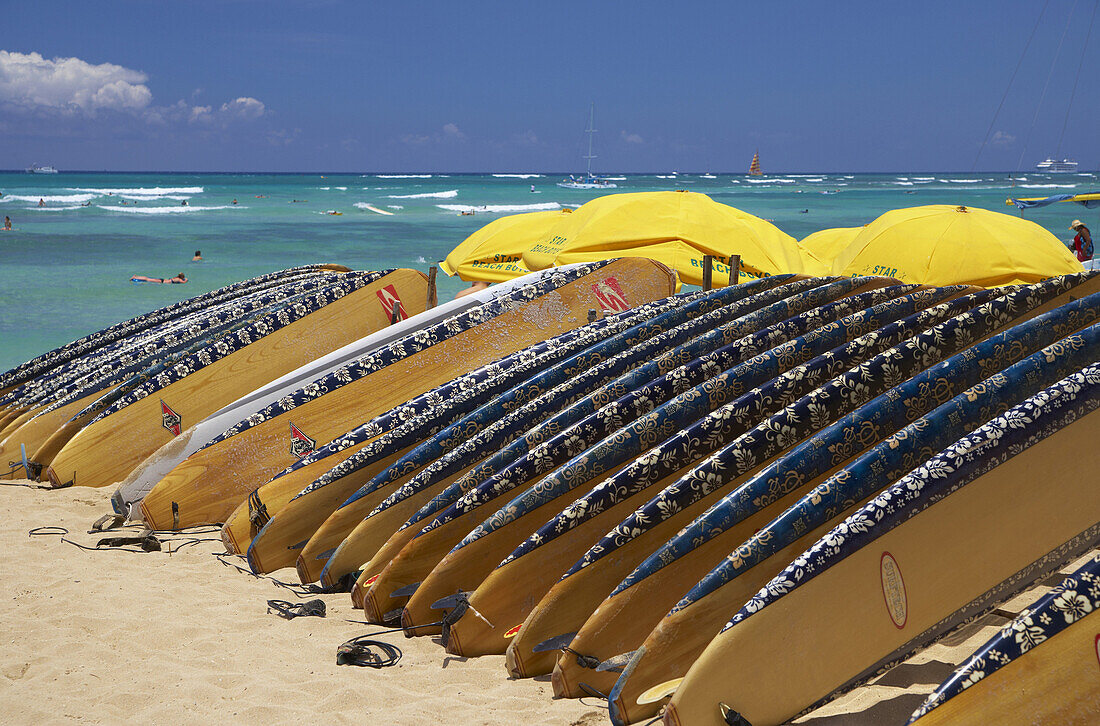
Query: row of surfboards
x=848 y=468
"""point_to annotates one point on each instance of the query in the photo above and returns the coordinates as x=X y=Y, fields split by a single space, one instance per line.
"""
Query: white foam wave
x=420 y=260
x=815 y=179
x=167 y=210
x=666 y=176
x=903 y=183
x=52 y=209
x=1047 y=186
x=707 y=176
x=329 y=189
x=426 y=195
x=146 y=191
x=402 y=176
x=55 y=198
x=1018 y=178
x=615 y=178
x=771 y=181
x=499 y=207
x=960 y=181
x=916 y=178
x=517 y=176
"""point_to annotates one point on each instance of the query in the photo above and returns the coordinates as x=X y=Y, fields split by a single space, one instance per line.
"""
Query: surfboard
x=1040 y=668
x=50 y=360
x=469 y=442
x=141 y=421
x=640 y=363
x=210 y=483
x=975 y=505
x=683 y=634
x=159 y=332
x=85 y=386
x=311 y=496
x=543 y=556
x=491 y=540
x=611 y=630
x=376 y=210
x=571 y=599
x=156 y=466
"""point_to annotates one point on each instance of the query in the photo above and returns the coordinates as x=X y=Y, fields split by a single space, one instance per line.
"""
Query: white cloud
x=70 y=85
x=244 y=107
x=199 y=114
x=1002 y=138
x=631 y=138
x=453 y=132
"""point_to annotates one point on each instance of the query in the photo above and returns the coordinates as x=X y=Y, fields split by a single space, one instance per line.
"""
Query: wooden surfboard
x=542 y=558
x=703 y=609
x=612 y=630
x=308 y=501
x=58 y=357
x=608 y=631
x=975 y=505
x=136 y=425
x=560 y=396
x=98 y=380
x=1040 y=668
x=210 y=483
x=156 y=466
x=572 y=599
x=467 y=444
x=501 y=532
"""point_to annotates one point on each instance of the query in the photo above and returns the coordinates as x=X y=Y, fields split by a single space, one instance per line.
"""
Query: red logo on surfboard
x=389 y=298
x=610 y=295
x=300 y=444
x=169 y=419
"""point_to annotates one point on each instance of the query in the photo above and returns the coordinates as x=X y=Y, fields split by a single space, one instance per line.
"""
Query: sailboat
x=754 y=167
x=589 y=180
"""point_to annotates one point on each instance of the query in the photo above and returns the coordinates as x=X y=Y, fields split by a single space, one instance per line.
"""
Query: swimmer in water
x=197 y=257
x=7 y=224
x=177 y=280
x=41 y=202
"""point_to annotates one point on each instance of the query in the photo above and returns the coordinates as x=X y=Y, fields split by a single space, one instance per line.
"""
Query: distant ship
x=589 y=180
x=36 y=169
x=1055 y=166
x=754 y=167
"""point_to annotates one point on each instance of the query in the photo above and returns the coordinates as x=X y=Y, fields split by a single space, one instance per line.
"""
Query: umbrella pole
x=707 y=271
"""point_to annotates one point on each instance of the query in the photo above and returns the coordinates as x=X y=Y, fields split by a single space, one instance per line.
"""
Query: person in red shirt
x=1082 y=242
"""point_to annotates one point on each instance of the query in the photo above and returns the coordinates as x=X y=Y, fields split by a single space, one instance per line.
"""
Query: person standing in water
x=197 y=257
x=1082 y=241
x=7 y=223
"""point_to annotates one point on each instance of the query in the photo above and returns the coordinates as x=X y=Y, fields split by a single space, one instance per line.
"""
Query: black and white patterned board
x=36 y=366
x=998 y=375
x=142 y=480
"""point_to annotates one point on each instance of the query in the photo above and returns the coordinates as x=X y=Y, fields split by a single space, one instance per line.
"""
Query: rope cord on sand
x=299 y=590
x=291 y=610
x=146 y=540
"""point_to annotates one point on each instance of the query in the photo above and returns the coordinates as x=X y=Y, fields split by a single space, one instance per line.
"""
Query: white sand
x=112 y=636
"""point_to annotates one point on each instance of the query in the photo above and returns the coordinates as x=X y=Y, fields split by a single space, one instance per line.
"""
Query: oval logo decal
x=893 y=590
x=1097 y=644
x=370 y=580
x=511 y=633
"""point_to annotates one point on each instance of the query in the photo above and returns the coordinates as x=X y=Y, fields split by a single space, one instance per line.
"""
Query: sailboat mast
x=590 y=130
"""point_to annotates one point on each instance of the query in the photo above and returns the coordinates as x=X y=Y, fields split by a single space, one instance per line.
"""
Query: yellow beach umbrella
x=944 y=245
x=675 y=228
x=820 y=248
x=492 y=254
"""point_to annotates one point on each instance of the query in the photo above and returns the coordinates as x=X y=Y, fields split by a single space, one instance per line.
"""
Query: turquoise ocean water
x=65 y=267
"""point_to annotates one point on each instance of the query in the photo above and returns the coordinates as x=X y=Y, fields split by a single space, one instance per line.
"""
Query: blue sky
x=238 y=85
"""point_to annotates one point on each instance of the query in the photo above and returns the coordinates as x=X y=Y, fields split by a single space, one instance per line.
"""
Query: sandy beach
x=178 y=636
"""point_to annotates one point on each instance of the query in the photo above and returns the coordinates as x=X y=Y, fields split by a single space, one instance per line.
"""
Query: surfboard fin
x=556 y=643
x=406 y=591
x=615 y=664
